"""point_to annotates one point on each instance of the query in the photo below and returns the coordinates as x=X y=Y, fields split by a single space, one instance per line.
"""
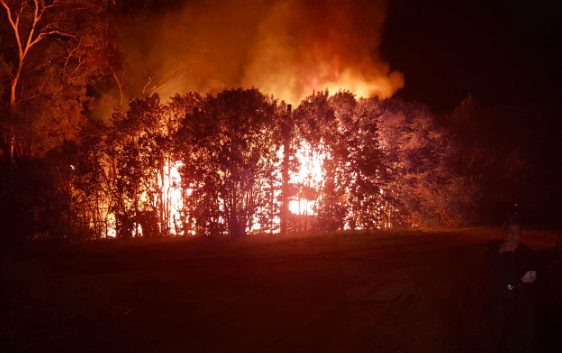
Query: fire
x=288 y=48
x=309 y=176
x=172 y=205
x=167 y=210
x=172 y=193
x=173 y=213
x=112 y=226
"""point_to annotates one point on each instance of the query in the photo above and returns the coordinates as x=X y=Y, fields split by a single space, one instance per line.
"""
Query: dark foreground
x=383 y=292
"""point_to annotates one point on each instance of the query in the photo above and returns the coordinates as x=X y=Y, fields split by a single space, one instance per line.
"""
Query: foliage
x=50 y=51
x=354 y=172
x=122 y=170
x=422 y=156
x=231 y=152
x=490 y=151
x=212 y=166
x=36 y=200
x=383 y=164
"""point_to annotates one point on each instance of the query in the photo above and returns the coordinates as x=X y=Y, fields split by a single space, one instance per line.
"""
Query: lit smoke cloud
x=287 y=48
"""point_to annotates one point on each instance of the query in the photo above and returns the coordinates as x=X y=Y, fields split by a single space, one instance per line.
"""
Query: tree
x=93 y=181
x=344 y=134
x=231 y=145
x=51 y=49
x=493 y=150
x=427 y=186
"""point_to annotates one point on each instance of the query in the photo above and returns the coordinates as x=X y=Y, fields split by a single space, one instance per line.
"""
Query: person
x=511 y=291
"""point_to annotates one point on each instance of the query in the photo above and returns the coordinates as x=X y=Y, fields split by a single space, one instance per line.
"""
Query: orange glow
x=310 y=174
x=172 y=194
x=307 y=184
x=172 y=206
x=288 y=48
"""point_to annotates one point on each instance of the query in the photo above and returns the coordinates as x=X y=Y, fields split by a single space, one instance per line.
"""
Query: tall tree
x=51 y=49
x=344 y=133
x=425 y=186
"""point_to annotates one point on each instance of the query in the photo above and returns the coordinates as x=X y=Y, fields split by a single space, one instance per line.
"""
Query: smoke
x=287 y=48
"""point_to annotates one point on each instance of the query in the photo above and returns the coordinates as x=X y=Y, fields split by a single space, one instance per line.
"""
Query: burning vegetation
x=228 y=163
x=186 y=156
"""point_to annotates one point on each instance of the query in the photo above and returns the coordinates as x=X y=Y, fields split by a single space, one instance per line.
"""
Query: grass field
x=345 y=292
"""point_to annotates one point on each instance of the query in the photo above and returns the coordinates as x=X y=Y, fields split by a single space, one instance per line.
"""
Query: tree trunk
x=285 y=174
x=13 y=85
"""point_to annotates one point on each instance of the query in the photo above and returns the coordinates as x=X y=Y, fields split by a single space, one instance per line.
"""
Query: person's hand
x=529 y=277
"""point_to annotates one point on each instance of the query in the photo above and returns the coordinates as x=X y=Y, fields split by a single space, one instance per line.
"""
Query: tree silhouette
x=235 y=138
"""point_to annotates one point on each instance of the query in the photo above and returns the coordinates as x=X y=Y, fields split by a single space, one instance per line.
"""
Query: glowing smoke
x=286 y=48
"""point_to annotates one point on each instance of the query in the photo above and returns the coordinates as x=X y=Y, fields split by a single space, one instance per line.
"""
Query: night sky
x=500 y=51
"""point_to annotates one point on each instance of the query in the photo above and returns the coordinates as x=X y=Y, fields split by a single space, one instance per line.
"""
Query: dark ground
x=381 y=292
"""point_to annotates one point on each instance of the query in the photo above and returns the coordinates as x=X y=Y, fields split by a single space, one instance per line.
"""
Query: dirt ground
x=380 y=292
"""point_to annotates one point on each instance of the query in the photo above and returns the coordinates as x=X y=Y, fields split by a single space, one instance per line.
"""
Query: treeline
x=213 y=165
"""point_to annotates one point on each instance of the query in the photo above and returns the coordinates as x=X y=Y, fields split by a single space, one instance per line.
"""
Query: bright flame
x=164 y=211
x=309 y=176
x=172 y=194
x=172 y=204
x=112 y=226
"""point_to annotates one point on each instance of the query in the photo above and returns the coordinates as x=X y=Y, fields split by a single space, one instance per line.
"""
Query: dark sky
x=500 y=51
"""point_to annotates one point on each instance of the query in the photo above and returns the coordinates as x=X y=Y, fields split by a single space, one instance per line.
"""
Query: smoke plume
x=287 y=48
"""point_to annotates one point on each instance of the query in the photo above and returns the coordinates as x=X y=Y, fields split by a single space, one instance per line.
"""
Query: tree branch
x=49 y=33
x=70 y=56
x=14 y=24
x=28 y=98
